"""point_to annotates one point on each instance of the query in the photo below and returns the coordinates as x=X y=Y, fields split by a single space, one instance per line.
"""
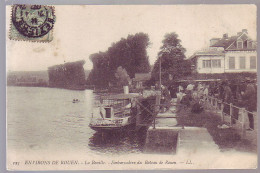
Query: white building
x=211 y=60
x=227 y=55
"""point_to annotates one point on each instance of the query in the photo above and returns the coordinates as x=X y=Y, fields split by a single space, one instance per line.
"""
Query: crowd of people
x=241 y=93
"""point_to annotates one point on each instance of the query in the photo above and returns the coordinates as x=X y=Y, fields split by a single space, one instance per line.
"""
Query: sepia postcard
x=131 y=87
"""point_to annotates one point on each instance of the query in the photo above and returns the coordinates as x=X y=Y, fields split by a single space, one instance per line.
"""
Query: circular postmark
x=33 y=20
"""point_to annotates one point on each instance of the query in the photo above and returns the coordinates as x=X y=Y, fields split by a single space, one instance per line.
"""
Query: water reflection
x=118 y=142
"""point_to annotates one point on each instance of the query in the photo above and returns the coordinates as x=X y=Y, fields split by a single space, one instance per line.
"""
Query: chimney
x=213 y=41
x=225 y=36
x=244 y=31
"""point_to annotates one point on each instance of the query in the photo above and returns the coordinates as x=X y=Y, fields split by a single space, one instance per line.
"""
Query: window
x=242 y=62
x=252 y=62
x=240 y=44
x=108 y=112
x=249 y=44
x=206 y=63
x=231 y=62
x=216 y=63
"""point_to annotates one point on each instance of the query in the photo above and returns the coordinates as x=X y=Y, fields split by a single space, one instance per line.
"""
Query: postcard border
x=99 y=2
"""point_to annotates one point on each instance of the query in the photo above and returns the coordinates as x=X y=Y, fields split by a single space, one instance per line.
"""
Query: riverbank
x=79 y=88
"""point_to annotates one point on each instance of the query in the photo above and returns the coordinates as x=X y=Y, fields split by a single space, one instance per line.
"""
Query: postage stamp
x=32 y=23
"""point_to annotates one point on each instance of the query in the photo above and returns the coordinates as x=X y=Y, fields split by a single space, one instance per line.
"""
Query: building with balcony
x=211 y=60
x=233 y=54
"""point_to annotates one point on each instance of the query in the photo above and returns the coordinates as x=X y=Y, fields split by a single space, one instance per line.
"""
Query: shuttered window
x=231 y=62
x=252 y=62
x=242 y=62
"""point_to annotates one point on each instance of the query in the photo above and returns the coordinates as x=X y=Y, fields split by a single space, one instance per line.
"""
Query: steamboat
x=114 y=112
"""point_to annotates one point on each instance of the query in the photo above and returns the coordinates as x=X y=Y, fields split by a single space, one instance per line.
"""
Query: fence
x=152 y=112
x=233 y=115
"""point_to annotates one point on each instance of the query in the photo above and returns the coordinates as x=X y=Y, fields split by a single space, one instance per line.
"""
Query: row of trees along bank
x=123 y=59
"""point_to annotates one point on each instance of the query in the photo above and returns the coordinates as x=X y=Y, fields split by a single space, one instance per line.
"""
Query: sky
x=80 y=31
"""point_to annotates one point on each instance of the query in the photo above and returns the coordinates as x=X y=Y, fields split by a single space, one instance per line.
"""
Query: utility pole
x=158 y=97
x=160 y=72
x=160 y=78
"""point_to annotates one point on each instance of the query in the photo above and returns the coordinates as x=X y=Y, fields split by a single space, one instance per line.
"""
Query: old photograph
x=131 y=87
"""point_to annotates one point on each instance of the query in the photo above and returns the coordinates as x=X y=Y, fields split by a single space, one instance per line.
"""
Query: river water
x=45 y=119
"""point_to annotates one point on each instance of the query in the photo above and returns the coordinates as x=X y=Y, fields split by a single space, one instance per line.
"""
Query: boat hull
x=110 y=128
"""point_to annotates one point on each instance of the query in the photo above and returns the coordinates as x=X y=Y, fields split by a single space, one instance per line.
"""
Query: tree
x=122 y=77
x=100 y=74
x=129 y=53
x=172 y=59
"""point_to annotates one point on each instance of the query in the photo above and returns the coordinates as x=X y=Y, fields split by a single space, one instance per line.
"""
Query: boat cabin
x=114 y=111
x=116 y=106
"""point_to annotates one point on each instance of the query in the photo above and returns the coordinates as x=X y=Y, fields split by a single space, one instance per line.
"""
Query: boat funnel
x=126 y=90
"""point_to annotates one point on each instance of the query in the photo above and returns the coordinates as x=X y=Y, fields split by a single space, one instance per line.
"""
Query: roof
x=200 y=80
x=225 y=42
x=229 y=43
x=142 y=77
x=208 y=52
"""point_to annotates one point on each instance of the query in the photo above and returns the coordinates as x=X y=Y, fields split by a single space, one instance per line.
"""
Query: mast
x=160 y=79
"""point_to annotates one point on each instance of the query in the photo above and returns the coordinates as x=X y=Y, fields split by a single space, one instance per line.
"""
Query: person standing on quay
x=166 y=98
x=250 y=99
x=206 y=92
x=228 y=98
x=221 y=90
